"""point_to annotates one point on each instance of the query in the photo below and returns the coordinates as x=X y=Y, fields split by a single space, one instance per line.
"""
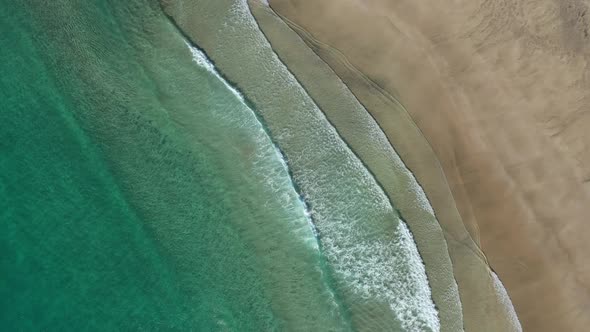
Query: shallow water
x=372 y=256
x=138 y=191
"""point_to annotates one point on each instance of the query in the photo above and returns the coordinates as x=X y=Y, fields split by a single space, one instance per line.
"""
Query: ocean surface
x=140 y=189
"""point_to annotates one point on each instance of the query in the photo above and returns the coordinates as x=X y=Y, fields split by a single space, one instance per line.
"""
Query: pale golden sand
x=500 y=91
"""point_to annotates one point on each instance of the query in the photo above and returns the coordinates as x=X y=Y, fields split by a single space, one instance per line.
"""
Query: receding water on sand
x=364 y=136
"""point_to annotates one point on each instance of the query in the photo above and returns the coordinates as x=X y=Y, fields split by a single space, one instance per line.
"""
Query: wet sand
x=499 y=91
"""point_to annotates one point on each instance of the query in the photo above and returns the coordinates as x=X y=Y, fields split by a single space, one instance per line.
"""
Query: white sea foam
x=368 y=130
x=201 y=59
x=505 y=300
x=381 y=267
x=263 y=139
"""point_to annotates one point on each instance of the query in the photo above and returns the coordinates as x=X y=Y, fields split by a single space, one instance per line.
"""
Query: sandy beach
x=499 y=91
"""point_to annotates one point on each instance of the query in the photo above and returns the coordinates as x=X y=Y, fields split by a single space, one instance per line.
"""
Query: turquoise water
x=138 y=191
x=133 y=181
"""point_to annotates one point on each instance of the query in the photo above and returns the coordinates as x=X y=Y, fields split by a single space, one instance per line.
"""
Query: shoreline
x=482 y=305
x=371 y=253
x=364 y=136
x=502 y=100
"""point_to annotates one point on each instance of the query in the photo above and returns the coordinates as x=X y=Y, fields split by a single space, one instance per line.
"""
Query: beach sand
x=499 y=90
